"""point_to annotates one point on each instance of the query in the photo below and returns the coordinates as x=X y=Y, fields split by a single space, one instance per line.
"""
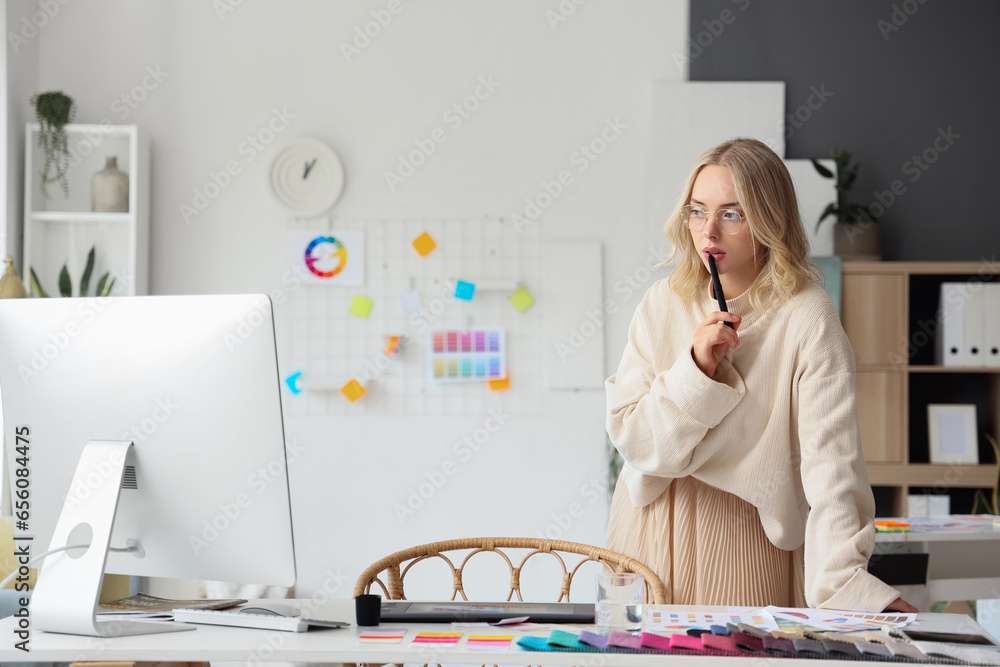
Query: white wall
x=220 y=78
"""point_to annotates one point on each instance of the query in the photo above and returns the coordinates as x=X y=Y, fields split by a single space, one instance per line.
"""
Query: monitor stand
x=69 y=585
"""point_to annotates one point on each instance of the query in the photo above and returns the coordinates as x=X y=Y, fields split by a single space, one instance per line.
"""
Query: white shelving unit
x=60 y=229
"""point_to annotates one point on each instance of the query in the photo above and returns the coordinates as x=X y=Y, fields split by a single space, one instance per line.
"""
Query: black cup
x=368 y=609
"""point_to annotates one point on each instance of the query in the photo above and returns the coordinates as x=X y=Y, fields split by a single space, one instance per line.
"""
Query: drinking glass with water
x=619 y=601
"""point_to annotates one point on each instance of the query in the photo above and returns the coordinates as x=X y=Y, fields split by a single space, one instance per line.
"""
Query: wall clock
x=307 y=177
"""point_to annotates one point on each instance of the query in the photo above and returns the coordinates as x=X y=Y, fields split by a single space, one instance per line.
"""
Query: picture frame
x=952 y=432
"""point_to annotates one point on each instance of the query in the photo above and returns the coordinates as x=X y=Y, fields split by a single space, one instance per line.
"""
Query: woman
x=744 y=482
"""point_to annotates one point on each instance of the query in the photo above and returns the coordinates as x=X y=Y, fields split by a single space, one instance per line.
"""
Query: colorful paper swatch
x=423 y=244
x=465 y=290
x=361 y=306
x=382 y=635
x=439 y=639
x=327 y=257
x=468 y=356
x=489 y=642
x=522 y=300
x=353 y=390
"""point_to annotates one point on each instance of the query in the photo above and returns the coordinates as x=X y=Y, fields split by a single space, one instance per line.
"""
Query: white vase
x=109 y=189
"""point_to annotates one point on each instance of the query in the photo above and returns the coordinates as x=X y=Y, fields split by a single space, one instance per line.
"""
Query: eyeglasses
x=695 y=217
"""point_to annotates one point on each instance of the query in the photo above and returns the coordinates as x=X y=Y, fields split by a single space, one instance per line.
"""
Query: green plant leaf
x=105 y=284
x=85 y=279
x=846 y=178
x=831 y=209
x=823 y=171
x=36 y=286
x=65 y=283
x=859 y=213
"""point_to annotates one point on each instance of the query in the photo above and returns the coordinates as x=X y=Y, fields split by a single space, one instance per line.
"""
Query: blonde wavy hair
x=766 y=194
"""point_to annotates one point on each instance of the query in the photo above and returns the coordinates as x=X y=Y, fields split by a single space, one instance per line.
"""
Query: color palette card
x=476 y=355
x=380 y=635
x=439 y=639
x=489 y=642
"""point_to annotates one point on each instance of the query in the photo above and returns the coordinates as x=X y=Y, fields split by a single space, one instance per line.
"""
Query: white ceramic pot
x=109 y=189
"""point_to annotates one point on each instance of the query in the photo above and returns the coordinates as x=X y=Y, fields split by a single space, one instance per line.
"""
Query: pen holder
x=368 y=609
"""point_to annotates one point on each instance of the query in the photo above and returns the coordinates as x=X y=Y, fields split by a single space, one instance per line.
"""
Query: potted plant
x=104 y=283
x=855 y=235
x=54 y=111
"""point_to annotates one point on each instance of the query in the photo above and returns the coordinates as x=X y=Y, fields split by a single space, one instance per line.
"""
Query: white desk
x=252 y=647
x=963 y=563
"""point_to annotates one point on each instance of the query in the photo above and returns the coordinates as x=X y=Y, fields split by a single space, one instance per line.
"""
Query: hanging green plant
x=54 y=111
x=104 y=284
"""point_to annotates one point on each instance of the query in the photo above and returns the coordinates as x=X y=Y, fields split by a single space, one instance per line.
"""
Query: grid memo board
x=324 y=340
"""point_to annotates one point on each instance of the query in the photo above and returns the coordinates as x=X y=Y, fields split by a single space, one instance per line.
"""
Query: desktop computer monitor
x=192 y=382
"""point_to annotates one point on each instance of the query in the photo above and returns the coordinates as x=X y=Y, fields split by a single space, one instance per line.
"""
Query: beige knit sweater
x=777 y=426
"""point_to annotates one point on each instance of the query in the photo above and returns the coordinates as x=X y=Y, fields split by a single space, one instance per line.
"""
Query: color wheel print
x=325 y=256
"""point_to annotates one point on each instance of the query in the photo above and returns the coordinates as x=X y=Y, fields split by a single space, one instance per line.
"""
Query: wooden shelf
x=927 y=474
x=982 y=269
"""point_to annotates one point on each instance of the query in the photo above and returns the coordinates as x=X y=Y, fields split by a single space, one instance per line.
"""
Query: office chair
x=394 y=567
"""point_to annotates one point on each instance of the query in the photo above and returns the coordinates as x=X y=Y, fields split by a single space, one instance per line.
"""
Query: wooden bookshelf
x=889 y=310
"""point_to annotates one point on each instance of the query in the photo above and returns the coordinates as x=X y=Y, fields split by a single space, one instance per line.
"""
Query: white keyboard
x=260 y=621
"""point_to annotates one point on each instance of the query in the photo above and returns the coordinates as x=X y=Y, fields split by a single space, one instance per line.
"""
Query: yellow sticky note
x=353 y=390
x=361 y=306
x=424 y=244
x=500 y=385
x=522 y=299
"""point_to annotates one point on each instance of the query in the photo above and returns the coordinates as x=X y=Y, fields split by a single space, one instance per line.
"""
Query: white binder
x=951 y=336
x=992 y=325
x=975 y=324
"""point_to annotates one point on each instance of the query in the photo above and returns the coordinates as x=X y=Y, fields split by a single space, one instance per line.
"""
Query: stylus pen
x=717 y=284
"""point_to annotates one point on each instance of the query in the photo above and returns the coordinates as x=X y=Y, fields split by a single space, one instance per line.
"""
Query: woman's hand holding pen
x=712 y=338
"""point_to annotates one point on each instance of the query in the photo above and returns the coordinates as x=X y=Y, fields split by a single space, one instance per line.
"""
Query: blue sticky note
x=293 y=382
x=464 y=290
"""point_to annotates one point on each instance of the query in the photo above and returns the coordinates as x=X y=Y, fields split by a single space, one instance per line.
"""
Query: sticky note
x=392 y=347
x=410 y=301
x=293 y=382
x=353 y=390
x=500 y=385
x=464 y=290
x=423 y=244
x=487 y=642
x=522 y=300
x=361 y=306
x=382 y=635
x=440 y=639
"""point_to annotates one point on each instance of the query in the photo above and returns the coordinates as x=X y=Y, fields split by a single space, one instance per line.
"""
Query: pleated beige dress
x=707 y=546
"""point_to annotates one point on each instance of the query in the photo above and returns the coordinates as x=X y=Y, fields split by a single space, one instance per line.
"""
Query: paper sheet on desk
x=841 y=621
x=664 y=621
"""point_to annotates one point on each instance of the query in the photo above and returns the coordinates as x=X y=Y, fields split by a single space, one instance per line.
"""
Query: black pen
x=717 y=284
